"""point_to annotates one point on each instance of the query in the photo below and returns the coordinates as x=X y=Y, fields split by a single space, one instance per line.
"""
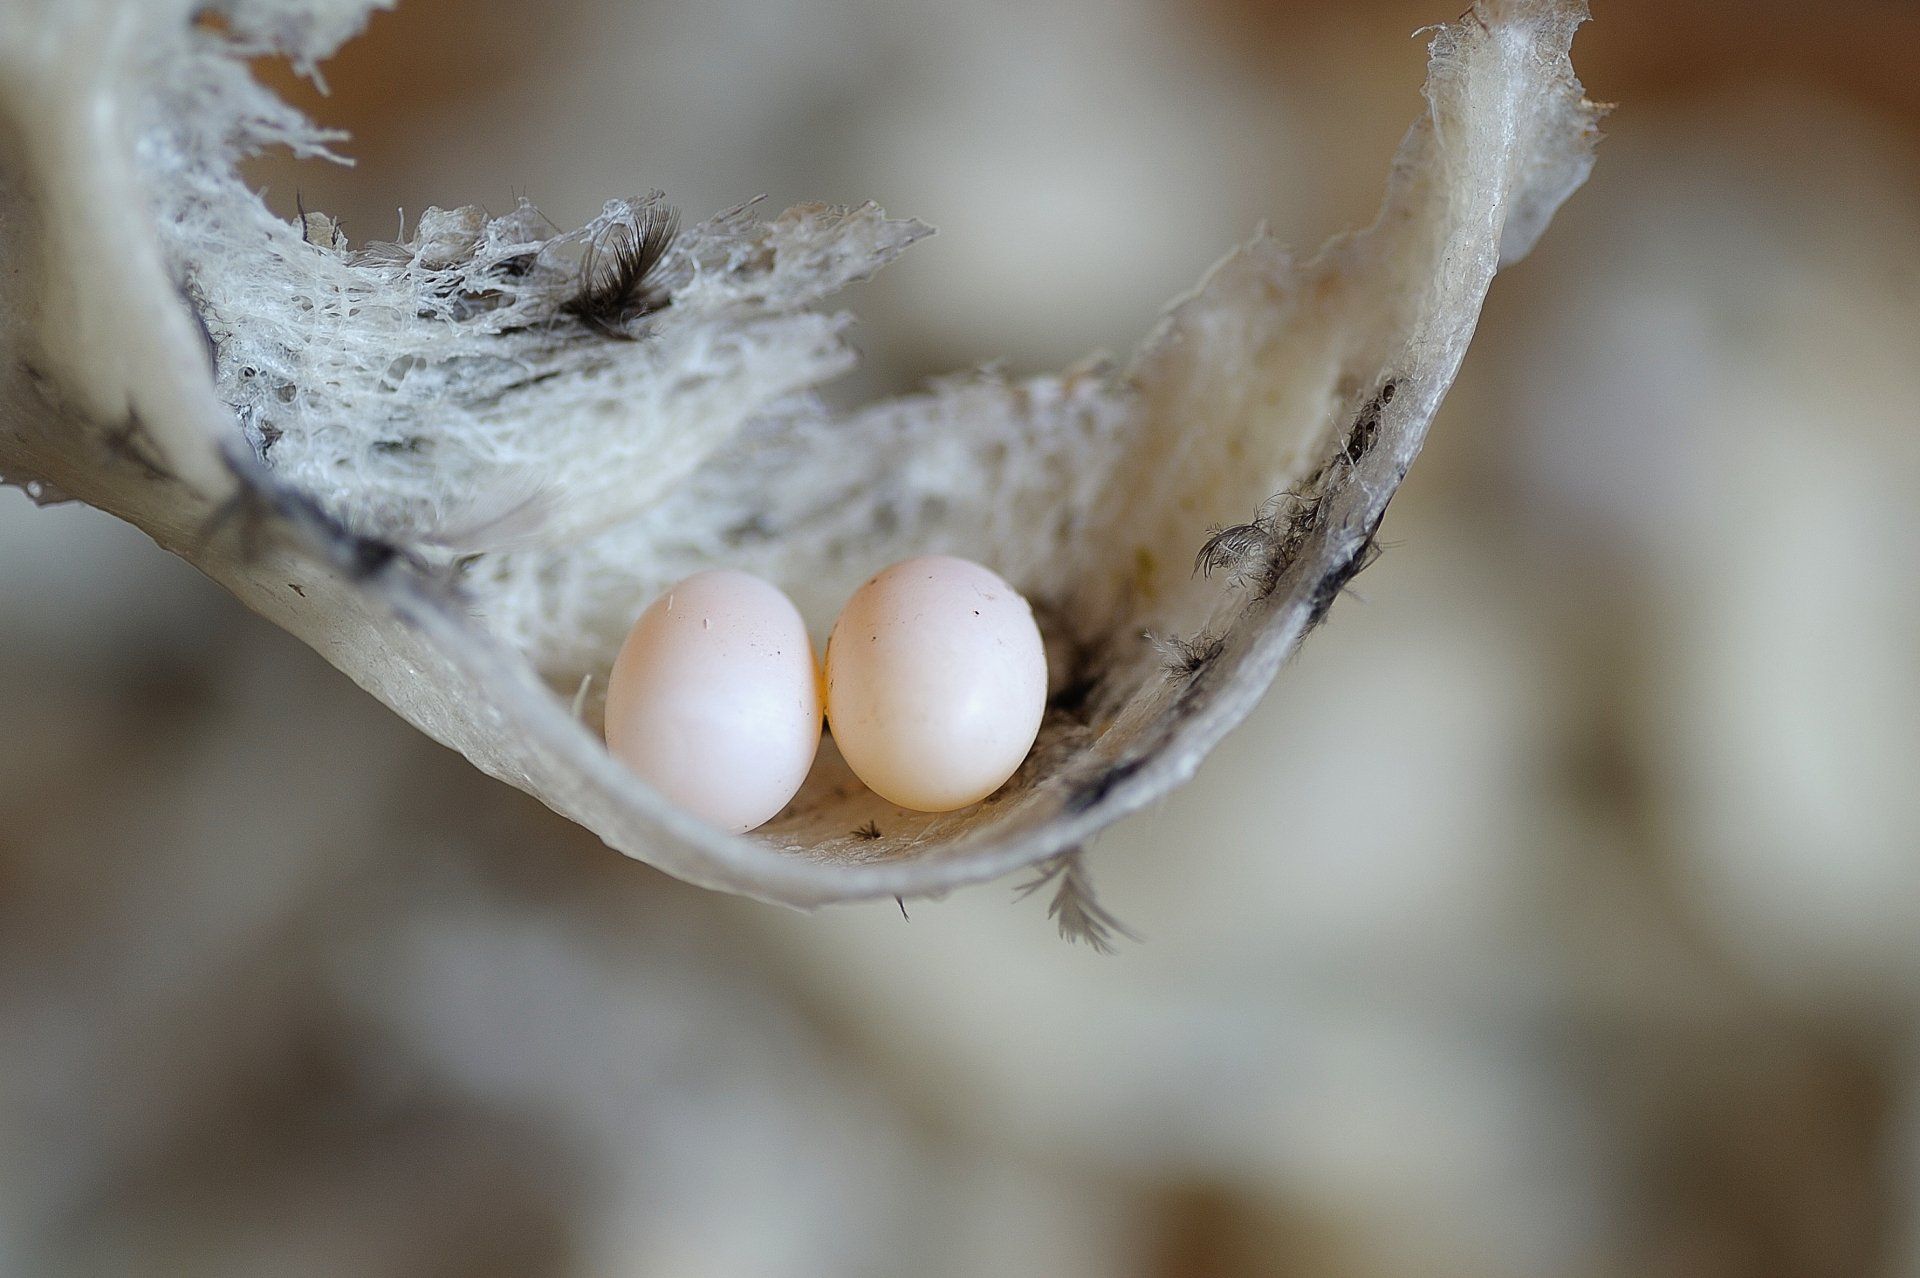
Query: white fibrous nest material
x=459 y=464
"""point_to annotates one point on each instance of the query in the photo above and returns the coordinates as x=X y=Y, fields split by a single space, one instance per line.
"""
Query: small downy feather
x=618 y=287
x=1074 y=908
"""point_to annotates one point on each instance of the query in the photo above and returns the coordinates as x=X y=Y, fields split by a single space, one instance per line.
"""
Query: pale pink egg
x=936 y=683
x=715 y=699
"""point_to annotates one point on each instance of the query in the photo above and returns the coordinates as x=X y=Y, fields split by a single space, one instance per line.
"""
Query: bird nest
x=460 y=463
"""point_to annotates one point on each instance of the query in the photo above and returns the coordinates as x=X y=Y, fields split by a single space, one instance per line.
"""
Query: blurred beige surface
x=1556 y=915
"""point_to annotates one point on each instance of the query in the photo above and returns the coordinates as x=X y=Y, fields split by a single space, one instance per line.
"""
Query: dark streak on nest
x=197 y=310
x=129 y=441
x=1366 y=427
x=256 y=503
x=1088 y=665
x=1328 y=588
x=1091 y=792
x=1075 y=700
x=868 y=832
x=617 y=285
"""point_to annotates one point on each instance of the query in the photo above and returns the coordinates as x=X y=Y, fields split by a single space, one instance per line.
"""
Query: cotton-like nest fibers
x=459 y=465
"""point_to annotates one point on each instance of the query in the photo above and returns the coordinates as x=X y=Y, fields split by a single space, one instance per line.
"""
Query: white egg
x=936 y=682
x=715 y=699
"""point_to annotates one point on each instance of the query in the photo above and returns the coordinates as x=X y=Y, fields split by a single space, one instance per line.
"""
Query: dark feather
x=617 y=274
x=1074 y=907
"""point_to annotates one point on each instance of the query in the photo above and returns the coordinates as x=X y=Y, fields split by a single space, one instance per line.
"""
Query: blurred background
x=1557 y=914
